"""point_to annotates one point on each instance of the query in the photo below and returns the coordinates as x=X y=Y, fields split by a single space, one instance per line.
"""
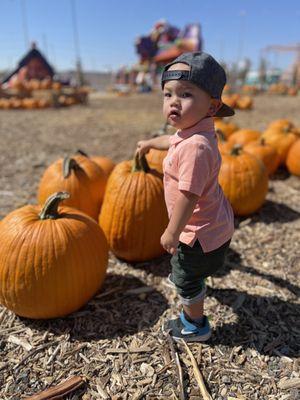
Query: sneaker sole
x=202 y=338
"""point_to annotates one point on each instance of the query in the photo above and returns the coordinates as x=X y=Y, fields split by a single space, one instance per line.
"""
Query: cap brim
x=225 y=111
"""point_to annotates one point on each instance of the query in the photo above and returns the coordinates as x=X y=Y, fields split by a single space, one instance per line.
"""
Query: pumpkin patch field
x=69 y=307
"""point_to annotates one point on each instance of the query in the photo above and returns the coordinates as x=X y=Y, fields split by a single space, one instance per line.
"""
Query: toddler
x=200 y=217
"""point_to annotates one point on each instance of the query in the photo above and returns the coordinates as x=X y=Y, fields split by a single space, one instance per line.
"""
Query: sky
x=107 y=29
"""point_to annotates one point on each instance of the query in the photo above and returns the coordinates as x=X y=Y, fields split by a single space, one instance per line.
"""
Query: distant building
x=32 y=66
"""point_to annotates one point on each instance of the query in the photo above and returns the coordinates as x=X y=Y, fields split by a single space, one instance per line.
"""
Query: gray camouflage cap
x=205 y=72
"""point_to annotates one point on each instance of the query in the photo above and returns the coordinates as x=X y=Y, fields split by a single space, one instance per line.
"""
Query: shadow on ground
x=124 y=306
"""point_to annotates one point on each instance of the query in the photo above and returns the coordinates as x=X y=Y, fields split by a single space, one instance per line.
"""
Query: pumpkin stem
x=221 y=135
x=236 y=150
x=49 y=210
x=262 y=141
x=82 y=153
x=140 y=164
x=68 y=165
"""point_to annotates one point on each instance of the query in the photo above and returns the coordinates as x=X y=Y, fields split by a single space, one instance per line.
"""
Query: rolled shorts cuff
x=192 y=300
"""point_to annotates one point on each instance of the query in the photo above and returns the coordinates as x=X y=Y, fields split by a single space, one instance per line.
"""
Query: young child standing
x=200 y=218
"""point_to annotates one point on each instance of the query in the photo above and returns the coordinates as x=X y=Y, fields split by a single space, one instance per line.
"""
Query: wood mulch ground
x=116 y=341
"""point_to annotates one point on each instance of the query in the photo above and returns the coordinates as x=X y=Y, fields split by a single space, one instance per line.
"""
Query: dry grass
x=115 y=341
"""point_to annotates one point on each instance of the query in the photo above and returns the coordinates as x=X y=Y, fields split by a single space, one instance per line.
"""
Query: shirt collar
x=204 y=125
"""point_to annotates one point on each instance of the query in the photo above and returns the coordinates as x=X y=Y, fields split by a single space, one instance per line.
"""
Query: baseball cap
x=205 y=72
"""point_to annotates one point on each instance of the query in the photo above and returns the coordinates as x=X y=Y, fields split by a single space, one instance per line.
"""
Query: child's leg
x=194 y=311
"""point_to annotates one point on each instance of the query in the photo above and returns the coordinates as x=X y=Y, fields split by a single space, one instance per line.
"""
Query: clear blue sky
x=107 y=28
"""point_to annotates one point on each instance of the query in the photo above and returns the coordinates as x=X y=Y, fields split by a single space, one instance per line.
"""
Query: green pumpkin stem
x=140 y=164
x=68 y=165
x=236 y=150
x=82 y=153
x=49 y=210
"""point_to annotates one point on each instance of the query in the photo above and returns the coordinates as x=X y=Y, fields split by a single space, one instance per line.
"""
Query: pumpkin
x=293 y=159
x=227 y=128
x=155 y=159
x=133 y=215
x=56 y=85
x=52 y=260
x=266 y=153
x=281 y=138
x=282 y=124
x=81 y=177
x=230 y=100
x=244 y=180
x=244 y=136
x=46 y=83
x=29 y=103
x=244 y=103
x=105 y=163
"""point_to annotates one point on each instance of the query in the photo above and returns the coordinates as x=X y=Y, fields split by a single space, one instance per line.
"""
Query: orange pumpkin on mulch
x=281 y=135
x=244 y=136
x=81 y=177
x=266 y=153
x=244 y=180
x=133 y=215
x=53 y=259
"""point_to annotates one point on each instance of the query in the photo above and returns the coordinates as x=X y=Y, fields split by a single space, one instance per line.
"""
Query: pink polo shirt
x=192 y=164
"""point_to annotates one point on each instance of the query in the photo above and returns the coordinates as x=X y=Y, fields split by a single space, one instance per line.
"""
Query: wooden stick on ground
x=56 y=392
x=178 y=366
x=198 y=375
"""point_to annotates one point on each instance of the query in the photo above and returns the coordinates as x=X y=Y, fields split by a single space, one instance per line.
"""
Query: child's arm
x=159 y=143
x=183 y=210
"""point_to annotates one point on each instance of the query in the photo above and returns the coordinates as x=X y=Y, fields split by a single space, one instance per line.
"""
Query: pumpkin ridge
x=145 y=199
x=27 y=256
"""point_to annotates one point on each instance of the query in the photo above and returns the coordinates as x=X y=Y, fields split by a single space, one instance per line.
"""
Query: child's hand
x=169 y=242
x=143 y=147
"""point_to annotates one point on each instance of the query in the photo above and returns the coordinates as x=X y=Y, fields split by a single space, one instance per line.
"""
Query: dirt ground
x=115 y=341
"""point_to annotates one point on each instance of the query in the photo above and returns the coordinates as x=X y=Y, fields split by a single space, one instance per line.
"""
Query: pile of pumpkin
x=27 y=103
x=238 y=101
x=249 y=157
x=53 y=256
x=283 y=89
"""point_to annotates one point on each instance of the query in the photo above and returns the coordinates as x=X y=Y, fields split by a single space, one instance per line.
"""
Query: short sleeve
x=194 y=166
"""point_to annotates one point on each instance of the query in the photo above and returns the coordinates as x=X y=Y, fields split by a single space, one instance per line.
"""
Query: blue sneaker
x=181 y=328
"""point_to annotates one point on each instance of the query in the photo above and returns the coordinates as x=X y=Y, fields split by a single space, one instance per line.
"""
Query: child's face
x=185 y=104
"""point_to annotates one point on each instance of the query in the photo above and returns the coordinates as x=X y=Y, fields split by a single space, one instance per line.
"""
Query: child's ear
x=215 y=105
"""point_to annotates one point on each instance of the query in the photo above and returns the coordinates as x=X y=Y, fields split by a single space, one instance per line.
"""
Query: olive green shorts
x=190 y=266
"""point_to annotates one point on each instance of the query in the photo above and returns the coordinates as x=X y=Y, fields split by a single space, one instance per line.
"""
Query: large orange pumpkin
x=281 y=138
x=293 y=159
x=244 y=136
x=52 y=260
x=133 y=215
x=266 y=153
x=81 y=177
x=244 y=180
